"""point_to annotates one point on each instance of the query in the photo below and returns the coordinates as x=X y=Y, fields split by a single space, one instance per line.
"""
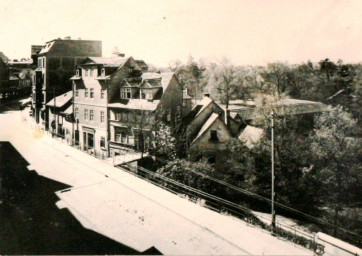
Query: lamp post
x=272 y=170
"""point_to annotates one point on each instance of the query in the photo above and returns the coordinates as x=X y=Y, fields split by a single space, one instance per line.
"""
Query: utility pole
x=272 y=171
x=55 y=123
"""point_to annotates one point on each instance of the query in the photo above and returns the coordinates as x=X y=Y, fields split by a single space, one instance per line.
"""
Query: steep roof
x=46 y=48
x=165 y=78
x=108 y=62
x=203 y=103
x=61 y=100
x=251 y=135
x=206 y=125
x=3 y=57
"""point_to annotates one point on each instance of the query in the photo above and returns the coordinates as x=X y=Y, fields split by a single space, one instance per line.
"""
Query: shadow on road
x=30 y=222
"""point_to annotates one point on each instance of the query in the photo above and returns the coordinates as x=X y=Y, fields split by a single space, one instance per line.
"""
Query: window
x=86 y=72
x=91 y=115
x=77 y=72
x=91 y=92
x=103 y=72
x=102 y=116
x=86 y=92
x=76 y=93
x=102 y=94
x=213 y=135
x=86 y=114
x=102 y=142
x=126 y=93
x=43 y=62
x=118 y=116
x=76 y=113
x=39 y=62
x=184 y=103
x=91 y=72
x=146 y=94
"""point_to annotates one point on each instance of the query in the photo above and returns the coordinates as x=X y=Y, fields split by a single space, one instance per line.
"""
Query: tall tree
x=337 y=157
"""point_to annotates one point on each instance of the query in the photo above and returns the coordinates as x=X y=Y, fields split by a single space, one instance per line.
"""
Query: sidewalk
x=134 y=212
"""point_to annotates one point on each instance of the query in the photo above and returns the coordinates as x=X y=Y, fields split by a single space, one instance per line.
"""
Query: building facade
x=142 y=103
x=95 y=84
x=56 y=63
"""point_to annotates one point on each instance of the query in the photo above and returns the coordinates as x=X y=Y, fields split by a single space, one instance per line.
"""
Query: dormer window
x=103 y=72
x=126 y=93
x=146 y=94
x=77 y=72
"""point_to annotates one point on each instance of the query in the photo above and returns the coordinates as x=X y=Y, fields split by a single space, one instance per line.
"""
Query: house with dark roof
x=96 y=85
x=210 y=141
x=56 y=63
x=207 y=129
x=142 y=103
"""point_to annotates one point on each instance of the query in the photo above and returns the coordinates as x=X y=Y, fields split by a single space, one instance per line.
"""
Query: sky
x=247 y=32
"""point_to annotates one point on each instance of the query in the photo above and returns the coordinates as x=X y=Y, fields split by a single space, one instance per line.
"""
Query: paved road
x=113 y=203
x=30 y=222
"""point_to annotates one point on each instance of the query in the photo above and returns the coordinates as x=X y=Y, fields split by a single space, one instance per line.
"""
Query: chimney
x=67 y=38
x=116 y=53
x=207 y=95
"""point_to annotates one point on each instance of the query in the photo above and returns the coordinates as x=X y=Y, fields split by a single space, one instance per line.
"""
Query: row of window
x=89 y=93
x=89 y=114
x=91 y=72
x=126 y=93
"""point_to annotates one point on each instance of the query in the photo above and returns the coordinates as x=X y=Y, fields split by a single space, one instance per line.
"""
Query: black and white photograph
x=181 y=127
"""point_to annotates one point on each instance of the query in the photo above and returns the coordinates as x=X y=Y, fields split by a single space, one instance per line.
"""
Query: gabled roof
x=197 y=109
x=61 y=100
x=165 y=78
x=47 y=47
x=251 y=135
x=3 y=57
x=203 y=103
x=151 y=83
x=106 y=62
x=212 y=119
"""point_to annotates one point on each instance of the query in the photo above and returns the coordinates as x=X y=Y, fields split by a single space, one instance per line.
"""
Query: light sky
x=248 y=32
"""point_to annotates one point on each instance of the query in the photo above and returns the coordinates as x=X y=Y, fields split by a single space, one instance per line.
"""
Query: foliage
x=165 y=142
x=337 y=157
x=183 y=171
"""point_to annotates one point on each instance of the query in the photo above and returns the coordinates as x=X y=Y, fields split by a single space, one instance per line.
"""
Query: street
x=107 y=202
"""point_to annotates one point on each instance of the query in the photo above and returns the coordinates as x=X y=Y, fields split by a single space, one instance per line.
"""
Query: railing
x=226 y=207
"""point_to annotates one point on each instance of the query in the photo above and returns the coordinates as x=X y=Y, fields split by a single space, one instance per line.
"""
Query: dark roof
x=107 y=62
x=35 y=49
x=3 y=57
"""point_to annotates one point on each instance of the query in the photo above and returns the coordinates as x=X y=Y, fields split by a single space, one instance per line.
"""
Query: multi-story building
x=95 y=85
x=56 y=63
x=4 y=75
x=142 y=102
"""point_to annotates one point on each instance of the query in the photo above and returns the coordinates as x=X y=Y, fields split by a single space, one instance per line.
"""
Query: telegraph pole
x=55 y=123
x=272 y=171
